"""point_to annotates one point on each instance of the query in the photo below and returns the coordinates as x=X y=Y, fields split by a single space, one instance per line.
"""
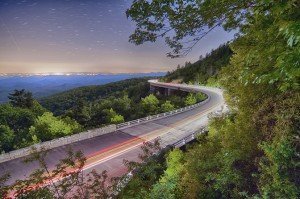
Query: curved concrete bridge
x=106 y=152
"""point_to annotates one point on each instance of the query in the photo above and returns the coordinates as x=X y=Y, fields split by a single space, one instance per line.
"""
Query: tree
x=123 y=105
x=168 y=184
x=185 y=24
x=146 y=171
x=18 y=120
x=80 y=112
x=15 y=123
x=37 y=108
x=6 y=138
x=200 y=97
x=150 y=104
x=190 y=99
x=113 y=117
x=21 y=98
x=47 y=127
x=167 y=106
x=204 y=69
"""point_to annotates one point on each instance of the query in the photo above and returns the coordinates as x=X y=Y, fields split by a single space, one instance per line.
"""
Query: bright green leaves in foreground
x=17 y=120
x=190 y=100
x=167 y=187
x=276 y=168
x=47 y=127
x=6 y=138
x=167 y=106
x=150 y=104
x=114 y=117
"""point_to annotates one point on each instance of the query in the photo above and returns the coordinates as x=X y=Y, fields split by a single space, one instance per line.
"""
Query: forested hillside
x=44 y=85
x=203 y=71
x=63 y=101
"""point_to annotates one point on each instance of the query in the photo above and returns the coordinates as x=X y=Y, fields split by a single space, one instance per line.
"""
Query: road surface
x=107 y=152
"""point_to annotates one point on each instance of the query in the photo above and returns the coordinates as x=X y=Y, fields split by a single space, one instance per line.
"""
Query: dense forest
x=25 y=121
x=59 y=103
x=204 y=71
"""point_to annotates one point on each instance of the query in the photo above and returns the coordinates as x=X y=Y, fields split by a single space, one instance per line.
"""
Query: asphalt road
x=107 y=152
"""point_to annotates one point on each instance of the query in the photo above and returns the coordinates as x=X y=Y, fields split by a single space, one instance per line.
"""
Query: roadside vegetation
x=204 y=71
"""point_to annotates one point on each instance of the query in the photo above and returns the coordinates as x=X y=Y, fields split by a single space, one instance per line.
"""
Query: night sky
x=58 y=36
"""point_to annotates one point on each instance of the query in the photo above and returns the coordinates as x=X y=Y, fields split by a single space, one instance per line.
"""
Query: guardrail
x=57 y=142
x=188 y=138
x=161 y=115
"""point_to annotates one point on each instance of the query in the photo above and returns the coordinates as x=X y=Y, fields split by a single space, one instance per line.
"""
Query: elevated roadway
x=107 y=152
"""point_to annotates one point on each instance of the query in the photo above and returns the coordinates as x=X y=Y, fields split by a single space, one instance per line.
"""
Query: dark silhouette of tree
x=21 y=98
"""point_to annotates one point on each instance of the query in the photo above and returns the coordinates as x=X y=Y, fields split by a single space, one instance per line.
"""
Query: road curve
x=107 y=152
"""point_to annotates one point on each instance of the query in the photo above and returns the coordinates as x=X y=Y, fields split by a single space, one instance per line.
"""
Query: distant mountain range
x=42 y=85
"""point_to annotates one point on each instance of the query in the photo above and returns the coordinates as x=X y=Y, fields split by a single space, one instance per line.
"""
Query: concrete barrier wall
x=57 y=142
x=161 y=115
x=189 y=138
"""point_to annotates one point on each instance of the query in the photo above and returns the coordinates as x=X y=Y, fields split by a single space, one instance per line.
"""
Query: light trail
x=14 y=41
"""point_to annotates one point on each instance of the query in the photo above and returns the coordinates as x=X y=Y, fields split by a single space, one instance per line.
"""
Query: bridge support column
x=152 y=89
x=161 y=90
x=168 y=92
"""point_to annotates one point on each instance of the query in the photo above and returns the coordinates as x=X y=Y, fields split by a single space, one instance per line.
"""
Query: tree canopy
x=184 y=23
x=21 y=98
x=47 y=127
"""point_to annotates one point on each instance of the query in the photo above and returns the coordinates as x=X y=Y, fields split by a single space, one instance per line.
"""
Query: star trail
x=81 y=36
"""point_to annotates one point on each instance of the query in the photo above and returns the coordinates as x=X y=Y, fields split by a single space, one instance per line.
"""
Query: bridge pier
x=167 y=91
x=152 y=89
x=161 y=90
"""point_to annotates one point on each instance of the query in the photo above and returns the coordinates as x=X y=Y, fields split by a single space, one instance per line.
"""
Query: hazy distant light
x=52 y=37
x=58 y=73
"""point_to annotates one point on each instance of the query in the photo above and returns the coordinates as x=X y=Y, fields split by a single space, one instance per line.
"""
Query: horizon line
x=80 y=73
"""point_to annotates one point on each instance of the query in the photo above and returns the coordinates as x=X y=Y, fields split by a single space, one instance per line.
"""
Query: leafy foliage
x=7 y=137
x=47 y=127
x=15 y=120
x=203 y=71
x=167 y=185
x=67 y=100
x=21 y=98
x=150 y=104
x=183 y=23
x=190 y=100
x=146 y=171
x=114 y=118
x=167 y=106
